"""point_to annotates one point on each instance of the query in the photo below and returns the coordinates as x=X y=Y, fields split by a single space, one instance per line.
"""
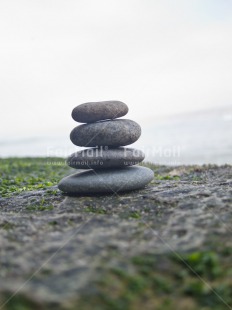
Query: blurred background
x=169 y=61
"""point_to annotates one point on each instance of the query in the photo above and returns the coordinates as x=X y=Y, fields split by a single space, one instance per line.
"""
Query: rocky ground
x=167 y=246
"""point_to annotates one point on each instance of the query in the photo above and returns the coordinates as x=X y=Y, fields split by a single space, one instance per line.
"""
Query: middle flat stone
x=119 y=132
x=100 y=158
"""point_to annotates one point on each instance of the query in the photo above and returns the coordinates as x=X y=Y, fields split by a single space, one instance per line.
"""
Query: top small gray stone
x=96 y=111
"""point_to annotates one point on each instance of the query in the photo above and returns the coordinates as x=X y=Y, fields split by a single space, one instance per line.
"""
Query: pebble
x=113 y=133
x=101 y=158
x=95 y=111
x=106 y=181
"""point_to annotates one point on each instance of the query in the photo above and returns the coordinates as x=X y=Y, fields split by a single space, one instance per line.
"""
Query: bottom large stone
x=106 y=181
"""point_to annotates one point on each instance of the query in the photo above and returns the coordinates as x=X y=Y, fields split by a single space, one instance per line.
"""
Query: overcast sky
x=158 y=56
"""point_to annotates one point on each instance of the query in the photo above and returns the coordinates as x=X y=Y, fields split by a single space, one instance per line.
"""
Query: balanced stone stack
x=110 y=167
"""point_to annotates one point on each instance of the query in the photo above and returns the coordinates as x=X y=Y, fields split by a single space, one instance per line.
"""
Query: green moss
x=146 y=260
x=135 y=215
x=53 y=223
x=19 y=302
x=40 y=208
x=26 y=174
x=166 y=177
x=94 y=210
x=205 y=264
x=52 y=192
x=43 y=204
x=195 y=280
x=6 y=226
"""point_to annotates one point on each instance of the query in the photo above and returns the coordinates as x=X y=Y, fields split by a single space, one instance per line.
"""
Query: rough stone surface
x=95 y=111
x=55 y=256
x=107 y=181
x=101 y=158
x=108 y=133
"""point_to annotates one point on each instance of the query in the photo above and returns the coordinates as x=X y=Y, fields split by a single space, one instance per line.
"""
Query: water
x=197 y=138
x=194 y=139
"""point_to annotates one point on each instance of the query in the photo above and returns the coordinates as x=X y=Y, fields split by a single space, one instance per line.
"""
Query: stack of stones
x=110 y=167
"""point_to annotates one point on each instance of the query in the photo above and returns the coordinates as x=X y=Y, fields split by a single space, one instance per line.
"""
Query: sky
x=160 y=57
